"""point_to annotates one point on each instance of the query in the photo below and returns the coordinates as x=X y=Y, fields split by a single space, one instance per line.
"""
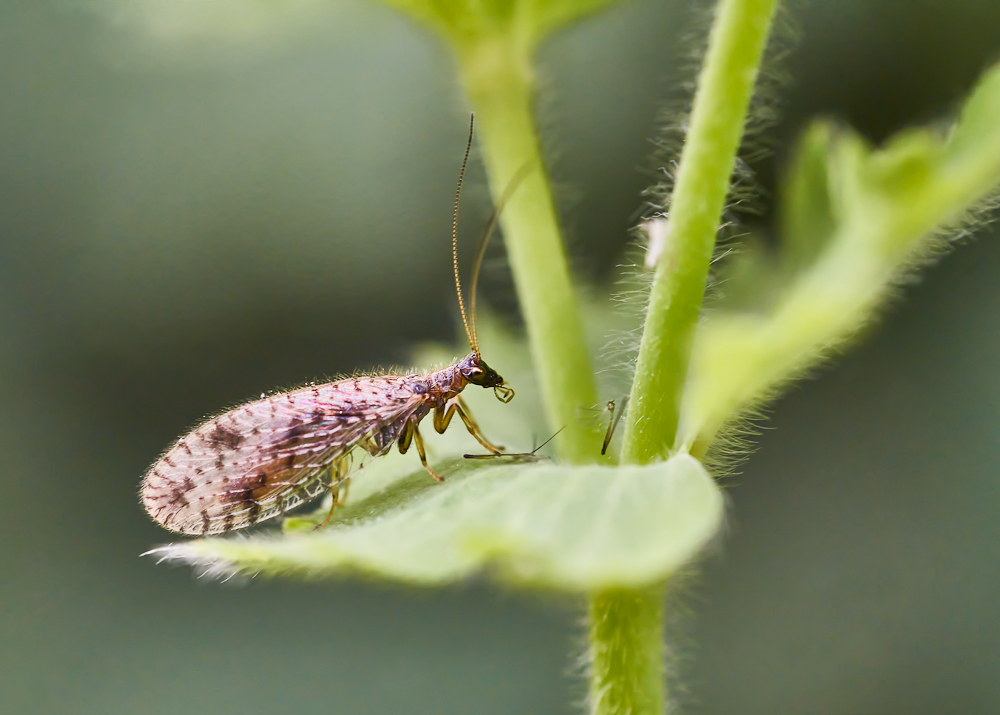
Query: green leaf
x=856 y=219
x=807 y=216
x=574 y=528
x=466 y=22
x=552 y=14
x=979 y=125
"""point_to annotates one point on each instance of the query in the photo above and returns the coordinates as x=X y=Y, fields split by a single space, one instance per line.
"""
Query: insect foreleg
x=443 y=415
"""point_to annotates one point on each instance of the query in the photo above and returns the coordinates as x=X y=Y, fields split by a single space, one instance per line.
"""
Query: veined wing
x=269 y=456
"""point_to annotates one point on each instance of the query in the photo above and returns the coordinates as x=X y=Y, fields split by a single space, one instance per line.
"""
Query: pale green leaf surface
x=574 y=528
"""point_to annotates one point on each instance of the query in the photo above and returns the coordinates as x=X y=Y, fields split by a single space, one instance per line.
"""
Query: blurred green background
x=202 y=201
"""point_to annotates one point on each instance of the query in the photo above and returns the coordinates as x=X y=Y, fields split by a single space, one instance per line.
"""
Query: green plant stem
x=736 y=45
x=498 y=78
x=626 y=652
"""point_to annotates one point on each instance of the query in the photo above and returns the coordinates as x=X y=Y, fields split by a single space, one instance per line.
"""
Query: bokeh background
x=200 y=201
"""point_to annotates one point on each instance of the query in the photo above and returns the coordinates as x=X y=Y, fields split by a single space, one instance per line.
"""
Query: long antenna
x=515 y=182
x=454 y=244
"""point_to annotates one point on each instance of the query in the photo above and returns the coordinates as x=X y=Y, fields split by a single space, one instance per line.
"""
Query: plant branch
x=497 y=75
x=736 y=45
x=626 y=652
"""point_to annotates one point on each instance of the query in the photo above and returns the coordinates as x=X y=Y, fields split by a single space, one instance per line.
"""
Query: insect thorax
x=440 y=386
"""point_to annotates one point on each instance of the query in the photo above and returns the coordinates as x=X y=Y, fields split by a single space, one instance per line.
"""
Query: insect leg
x=368 y=444
x=473 y=427
x=419 y=442
x=412 y=434
x=407 y=436
x=339 y=471
x=442 y=418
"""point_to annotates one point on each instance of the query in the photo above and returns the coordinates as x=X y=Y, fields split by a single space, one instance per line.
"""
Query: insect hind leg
x=339 y=471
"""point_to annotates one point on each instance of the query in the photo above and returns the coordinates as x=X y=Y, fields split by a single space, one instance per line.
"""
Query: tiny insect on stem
x=271 y=455
x=613 y=419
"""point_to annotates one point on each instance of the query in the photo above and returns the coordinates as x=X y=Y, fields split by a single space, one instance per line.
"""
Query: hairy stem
x=736 y=45
x=626 y=652
x=498 y=78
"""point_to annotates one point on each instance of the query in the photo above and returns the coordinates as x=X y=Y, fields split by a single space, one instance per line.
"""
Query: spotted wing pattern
x=268 y=456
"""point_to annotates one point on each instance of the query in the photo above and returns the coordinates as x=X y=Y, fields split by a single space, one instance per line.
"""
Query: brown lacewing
x=271 y=455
